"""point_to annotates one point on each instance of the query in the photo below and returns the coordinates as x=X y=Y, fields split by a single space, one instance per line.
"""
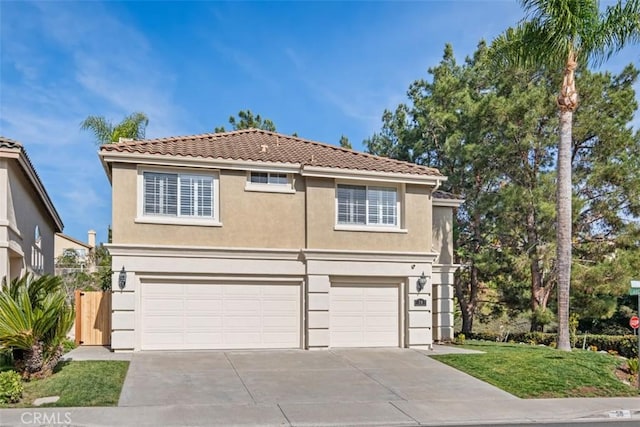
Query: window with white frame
x=269 y=178
x=367 y=205
x=270 y=182
x=178 y=195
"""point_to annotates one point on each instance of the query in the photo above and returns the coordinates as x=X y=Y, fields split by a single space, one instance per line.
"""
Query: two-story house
x=253 y=239
x=28 y=219
x=74 y=255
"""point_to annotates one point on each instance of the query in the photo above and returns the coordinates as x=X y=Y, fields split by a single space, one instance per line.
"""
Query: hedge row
x=624 y=345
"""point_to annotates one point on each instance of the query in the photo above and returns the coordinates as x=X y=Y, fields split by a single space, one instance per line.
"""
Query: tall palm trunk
x=567 y=102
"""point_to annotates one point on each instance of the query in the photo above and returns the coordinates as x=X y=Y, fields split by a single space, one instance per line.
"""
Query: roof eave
x=452 y=203
x=108 y=157
x=367 y=175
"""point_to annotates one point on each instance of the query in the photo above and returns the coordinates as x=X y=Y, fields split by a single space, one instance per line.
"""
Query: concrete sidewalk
x=410 y=413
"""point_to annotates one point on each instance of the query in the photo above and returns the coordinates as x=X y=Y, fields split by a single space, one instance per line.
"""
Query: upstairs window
x=270 y=182
x=365 y=205
x=178 y=195
x=269 y=178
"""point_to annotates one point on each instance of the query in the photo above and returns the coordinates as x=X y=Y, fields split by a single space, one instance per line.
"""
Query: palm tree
x=560 y=35
x=133 y=126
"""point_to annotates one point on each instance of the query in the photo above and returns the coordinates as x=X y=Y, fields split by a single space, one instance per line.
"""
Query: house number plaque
x=420 y=302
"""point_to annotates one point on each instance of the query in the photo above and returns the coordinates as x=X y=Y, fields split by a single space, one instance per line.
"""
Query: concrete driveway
x=295 y=377
x=377 y=382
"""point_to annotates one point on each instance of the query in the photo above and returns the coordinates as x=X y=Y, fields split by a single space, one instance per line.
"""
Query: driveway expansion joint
x=240 y=378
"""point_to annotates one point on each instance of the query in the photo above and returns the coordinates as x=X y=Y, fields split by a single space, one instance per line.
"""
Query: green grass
x=81 y=383
x=540 y=372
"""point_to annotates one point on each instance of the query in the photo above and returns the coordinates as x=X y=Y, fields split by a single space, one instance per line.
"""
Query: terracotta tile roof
x=264 y=146
x=9 y=143
x=444 y=195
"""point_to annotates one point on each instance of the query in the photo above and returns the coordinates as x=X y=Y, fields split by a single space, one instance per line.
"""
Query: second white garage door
x=364 y=316
x=219 y=316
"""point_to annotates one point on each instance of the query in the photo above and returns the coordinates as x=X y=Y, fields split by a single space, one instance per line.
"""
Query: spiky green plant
x=35 y=318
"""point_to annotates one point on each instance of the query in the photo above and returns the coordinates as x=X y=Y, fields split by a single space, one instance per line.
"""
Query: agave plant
x=35 y=318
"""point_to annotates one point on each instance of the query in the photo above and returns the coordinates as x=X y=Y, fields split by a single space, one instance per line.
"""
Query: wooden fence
x=93 y=318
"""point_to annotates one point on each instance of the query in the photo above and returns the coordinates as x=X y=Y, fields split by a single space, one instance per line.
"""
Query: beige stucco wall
x=443 y=234
x=321 y=213
x=249 y=218
x=23 y=211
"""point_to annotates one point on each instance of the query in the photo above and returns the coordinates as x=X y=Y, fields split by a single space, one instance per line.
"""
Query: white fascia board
x=452 y=203
x=197 y=162
x=313 y=171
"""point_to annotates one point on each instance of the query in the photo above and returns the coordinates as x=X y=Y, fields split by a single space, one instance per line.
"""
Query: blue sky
x=321 y=69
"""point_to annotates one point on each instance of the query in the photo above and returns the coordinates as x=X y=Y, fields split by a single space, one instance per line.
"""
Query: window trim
x=213 y=221
x=267 y=187
x=381 y=228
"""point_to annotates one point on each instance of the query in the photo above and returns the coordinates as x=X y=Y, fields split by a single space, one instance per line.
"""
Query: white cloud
x=87 y=62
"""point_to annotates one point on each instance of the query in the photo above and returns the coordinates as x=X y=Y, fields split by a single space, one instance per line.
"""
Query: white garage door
x=364 y=316
x=219 y=316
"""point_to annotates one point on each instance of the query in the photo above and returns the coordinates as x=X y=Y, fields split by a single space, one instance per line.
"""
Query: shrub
x=633 y=366
x=68 y=345
x=624 y=345
x=35 y=318
x=10 y=387
x=460 y=339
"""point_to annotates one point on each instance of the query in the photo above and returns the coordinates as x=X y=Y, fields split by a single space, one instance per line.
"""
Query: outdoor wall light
x=122 y=278
x=420 y=284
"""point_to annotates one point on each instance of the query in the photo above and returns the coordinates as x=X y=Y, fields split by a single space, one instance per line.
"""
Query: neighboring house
x=253 y=239
x=28 y=219
x=79 y=252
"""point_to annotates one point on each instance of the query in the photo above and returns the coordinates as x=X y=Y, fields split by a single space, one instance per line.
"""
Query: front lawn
x=540 y=372
x=78 y=383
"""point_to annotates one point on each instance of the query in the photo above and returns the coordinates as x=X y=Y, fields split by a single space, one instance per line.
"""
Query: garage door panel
x=364 y=316
x=163 y=305
x=203 y=322
x=382 y=306
x=164 y=289
x=200 y=291
x=280 y=306
x=165 y=322
x=203 y=340
x=241 y=306
x=282 y=322
x=220 y=316
x=241 y=323
x=203 y=305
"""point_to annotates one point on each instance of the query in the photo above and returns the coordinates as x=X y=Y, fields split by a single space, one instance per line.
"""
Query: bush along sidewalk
x=11 y=387
x=623 y=345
